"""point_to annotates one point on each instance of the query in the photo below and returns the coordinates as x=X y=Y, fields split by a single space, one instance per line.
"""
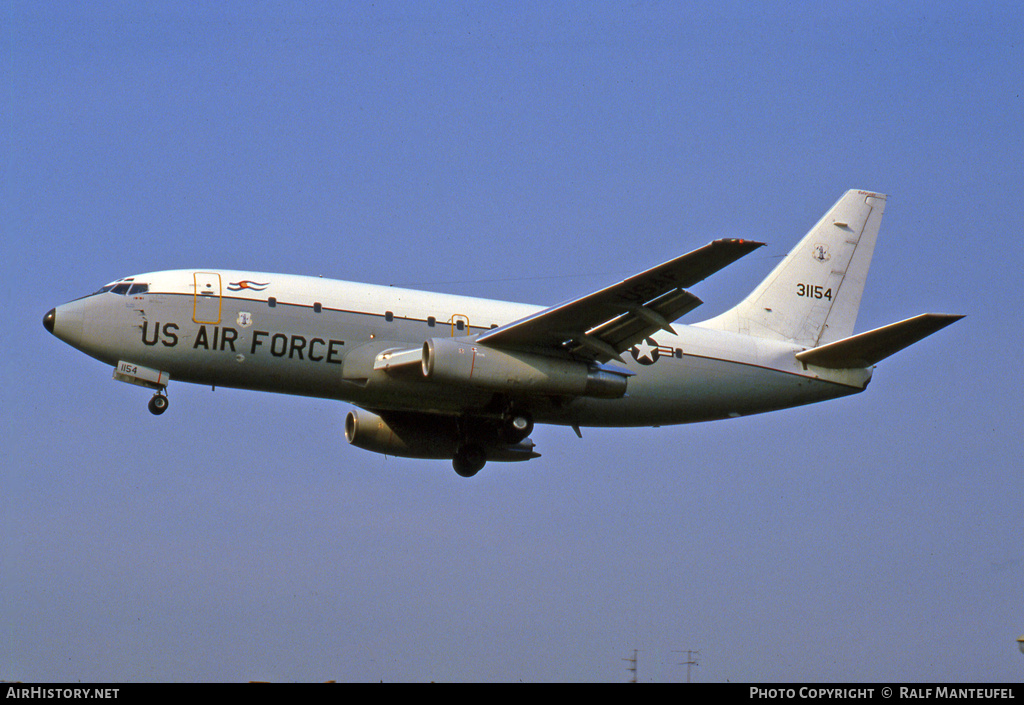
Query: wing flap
x=641 y=322
x=866 y=349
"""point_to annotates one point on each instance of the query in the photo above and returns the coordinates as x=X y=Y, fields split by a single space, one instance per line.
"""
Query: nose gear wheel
x=158 y=404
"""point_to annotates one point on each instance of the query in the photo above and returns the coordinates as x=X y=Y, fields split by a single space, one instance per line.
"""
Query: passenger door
x=206 y=302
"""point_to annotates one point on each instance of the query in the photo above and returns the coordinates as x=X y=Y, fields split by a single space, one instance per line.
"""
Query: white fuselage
x=320 y=337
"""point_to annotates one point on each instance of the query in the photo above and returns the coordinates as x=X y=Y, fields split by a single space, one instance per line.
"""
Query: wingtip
x=946 y=318
x=751 y=244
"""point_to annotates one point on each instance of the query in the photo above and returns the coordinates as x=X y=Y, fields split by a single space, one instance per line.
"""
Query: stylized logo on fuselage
x=821 y=253
x=645 y=352
x=247 y=284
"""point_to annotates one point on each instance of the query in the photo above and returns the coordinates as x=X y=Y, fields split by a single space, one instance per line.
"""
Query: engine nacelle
x=465 y=363
x=432 y=437
x=429 y=437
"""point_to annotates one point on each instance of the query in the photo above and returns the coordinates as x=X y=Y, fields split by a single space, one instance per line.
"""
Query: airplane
x=438 y=376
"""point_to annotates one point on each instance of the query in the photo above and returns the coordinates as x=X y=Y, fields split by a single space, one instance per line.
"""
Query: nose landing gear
x=145 y=377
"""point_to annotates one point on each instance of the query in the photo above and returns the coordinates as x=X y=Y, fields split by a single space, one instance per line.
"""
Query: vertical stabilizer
x=813 y=295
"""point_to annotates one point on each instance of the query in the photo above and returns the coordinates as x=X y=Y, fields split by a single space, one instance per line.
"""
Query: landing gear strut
x=158 y=404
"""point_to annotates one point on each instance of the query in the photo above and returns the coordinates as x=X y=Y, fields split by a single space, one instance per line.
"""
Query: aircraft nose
x=49 y=319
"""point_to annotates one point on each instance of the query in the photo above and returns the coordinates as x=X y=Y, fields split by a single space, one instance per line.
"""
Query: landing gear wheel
x=516 y=426
x=469 y=460
x=158 y=404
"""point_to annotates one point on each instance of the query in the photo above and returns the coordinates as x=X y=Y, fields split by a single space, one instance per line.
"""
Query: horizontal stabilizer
x=866 y=349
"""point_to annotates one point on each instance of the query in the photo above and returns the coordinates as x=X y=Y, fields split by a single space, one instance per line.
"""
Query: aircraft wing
x=601 y=325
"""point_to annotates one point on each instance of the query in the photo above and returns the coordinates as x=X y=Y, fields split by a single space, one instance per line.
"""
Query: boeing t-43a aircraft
x=465 y=379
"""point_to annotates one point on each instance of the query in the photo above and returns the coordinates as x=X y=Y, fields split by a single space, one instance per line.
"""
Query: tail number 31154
x=813 y=292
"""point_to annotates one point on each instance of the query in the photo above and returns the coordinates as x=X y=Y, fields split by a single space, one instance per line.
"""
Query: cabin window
x=460 y=324
x=431 y=321
x=317 y=308
x=272 y=302
x=389 y=316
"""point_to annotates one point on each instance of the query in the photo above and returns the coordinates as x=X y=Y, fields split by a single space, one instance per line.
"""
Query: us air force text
x=224 y=338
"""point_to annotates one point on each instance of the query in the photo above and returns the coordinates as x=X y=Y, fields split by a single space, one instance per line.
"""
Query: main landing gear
x=511 y=428
x=516 y=426
x=469 y=460
x=159 y=403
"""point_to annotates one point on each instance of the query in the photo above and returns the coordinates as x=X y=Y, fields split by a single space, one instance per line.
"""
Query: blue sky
x=530 y=152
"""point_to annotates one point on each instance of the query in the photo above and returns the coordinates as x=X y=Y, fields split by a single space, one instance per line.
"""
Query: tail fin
x=812 y=296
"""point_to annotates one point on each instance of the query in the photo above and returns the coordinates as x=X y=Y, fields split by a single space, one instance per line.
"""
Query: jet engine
x=468 y=443
x=428 y=437
x=460 y=362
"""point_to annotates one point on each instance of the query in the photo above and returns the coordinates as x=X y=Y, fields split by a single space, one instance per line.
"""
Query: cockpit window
x=124 y=287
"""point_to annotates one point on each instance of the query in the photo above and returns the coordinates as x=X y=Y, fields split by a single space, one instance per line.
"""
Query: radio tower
x=690 y=661
x=632 y=666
